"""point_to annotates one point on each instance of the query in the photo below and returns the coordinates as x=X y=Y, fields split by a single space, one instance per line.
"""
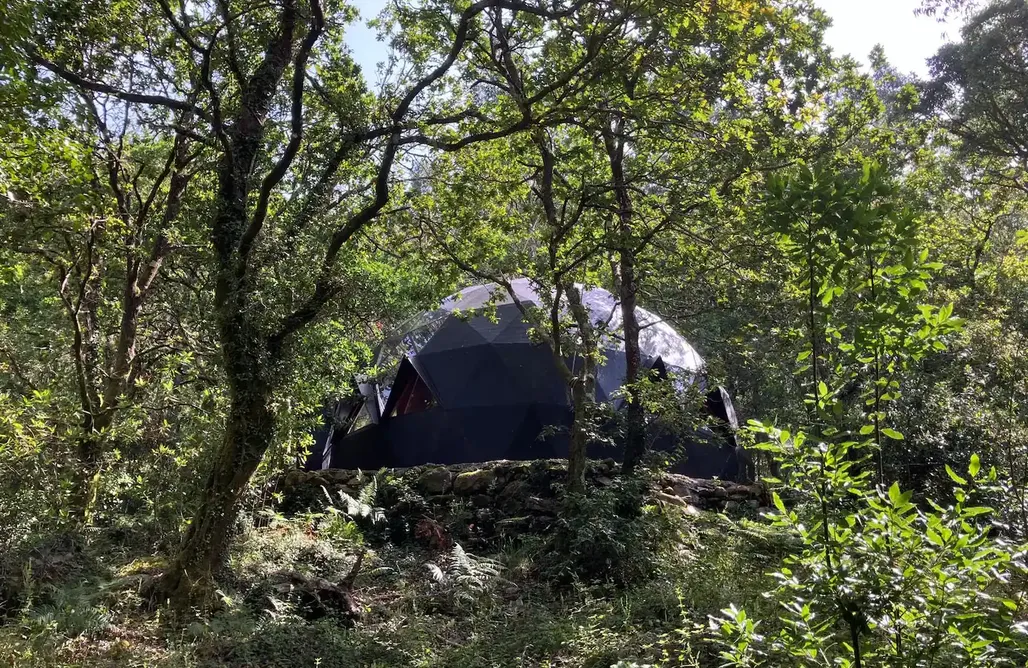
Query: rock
x=491 y=492
x=295 y=478
x=514 y=525
x=542 y=506
x=670 y=499
x=503 y=471
x=515 y=491
x=435 y=481
x=540 y=524
x=473 y=482
x=338 y=476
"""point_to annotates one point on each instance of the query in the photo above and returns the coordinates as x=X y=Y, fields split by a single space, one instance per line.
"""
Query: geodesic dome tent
x=467 y=382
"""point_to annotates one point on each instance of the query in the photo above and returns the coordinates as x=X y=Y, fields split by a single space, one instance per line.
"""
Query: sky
x=857 y=26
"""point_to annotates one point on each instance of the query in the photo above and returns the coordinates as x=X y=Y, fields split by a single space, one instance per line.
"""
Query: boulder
x=670 y=499
x=514 y=492
x=473 y=482
x=435 y=481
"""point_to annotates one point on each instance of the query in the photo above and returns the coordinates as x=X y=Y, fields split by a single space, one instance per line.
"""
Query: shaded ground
x=424 y=602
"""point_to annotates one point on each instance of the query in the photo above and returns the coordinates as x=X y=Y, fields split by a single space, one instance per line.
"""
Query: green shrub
x=608 y=535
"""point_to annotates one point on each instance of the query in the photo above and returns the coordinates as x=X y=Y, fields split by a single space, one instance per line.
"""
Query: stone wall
x=502 y=497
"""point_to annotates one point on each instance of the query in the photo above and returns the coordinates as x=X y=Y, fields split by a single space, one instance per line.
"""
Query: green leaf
x=779 y=504
x=953 y=476
x=895 y=495
x=974 y=467
x=893 y=434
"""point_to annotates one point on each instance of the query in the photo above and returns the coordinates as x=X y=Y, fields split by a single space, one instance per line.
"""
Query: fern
x=359 y=507
x=368 y=493
x=463 y=577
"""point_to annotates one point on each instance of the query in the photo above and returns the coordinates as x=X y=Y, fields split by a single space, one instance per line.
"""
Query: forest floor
x=602 y=598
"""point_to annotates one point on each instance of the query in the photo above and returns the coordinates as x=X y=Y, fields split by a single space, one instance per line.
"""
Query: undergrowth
x=523 y=603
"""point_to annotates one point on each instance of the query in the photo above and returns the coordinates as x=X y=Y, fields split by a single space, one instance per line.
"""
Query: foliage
x=209 y=216
x=462 y=579
x=608 y=536
x=880 y=579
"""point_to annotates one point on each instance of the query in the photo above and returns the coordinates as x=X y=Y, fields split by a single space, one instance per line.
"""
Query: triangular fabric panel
x=455 y=333
x=449 y=372
x=514 y=329
x=491 y=383
x=532 y=368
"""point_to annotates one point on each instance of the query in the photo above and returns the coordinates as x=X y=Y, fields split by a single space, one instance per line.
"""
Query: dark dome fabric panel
x=493 y=384
x=533 y=370
x=449 y=372
x=473 y=376
x=611 y=376
x=365 y=449
x=455 y=333
x=719 y=405
x=513 y=328
x=440 y=436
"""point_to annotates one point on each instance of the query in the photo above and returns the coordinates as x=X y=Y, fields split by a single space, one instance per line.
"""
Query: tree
x=706 y=102
x=549 y=235
x=877 y=579
x=981 y=85
x=526 y=207
x=286 y=120
x=101 y=221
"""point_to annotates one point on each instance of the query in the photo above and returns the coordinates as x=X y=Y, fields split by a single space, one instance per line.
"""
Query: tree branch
x=296 y=133
x=99 y=87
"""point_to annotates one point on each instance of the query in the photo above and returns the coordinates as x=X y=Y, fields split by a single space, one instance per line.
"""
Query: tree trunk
x=579 y=440
x=635 y=427
x=86 y=353
x=628 y=287
x=250 y=428
x=583 y=391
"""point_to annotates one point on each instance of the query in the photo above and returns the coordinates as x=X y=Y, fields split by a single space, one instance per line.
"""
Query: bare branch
x=99 y=87
x=179 y=28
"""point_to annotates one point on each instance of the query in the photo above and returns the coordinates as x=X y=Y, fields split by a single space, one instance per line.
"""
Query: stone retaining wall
x=500 y=497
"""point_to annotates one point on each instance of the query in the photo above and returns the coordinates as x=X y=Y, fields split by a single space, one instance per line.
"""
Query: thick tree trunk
x=249 y=431
x=635 y=427
x=249 y=427
x=249 y=363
